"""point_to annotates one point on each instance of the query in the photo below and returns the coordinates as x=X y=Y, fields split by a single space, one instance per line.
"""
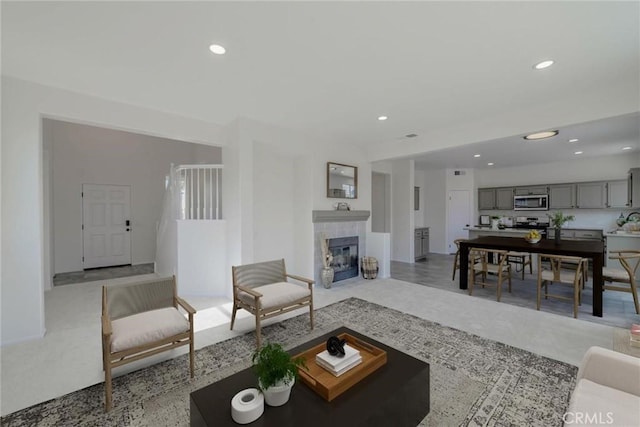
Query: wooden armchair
x=262 y=289
x=140 y=320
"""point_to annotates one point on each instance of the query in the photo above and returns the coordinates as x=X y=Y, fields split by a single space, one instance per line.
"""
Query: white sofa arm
x=611 y=369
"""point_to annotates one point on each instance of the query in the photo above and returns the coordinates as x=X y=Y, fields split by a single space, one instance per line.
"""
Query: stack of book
x=634 y=335
x=339 y=365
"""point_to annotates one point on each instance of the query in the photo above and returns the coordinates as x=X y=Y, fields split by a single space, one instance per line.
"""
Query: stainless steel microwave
x=538 y=202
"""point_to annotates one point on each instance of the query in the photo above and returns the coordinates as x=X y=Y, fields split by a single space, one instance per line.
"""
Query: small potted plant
x=276 y=371
x=558 y=219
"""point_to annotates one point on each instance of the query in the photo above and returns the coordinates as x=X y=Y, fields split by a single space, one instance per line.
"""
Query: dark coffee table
x=397 y=394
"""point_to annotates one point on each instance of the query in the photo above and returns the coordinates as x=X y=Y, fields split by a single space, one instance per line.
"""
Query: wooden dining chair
x=557 y=274
x=629 y=260
x=482 y=267
x=522 y=259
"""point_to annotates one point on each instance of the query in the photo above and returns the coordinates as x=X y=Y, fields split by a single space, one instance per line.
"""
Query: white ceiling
x=329 y=69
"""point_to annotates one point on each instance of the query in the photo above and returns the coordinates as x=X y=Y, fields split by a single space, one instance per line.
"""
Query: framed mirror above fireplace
x=342 y=181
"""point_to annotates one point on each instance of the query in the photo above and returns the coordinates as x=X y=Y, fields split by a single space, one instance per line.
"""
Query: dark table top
x=585 y=248
x=396 y=394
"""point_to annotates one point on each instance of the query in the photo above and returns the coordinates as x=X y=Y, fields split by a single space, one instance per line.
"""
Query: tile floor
x=68 y=358
x=94 y=274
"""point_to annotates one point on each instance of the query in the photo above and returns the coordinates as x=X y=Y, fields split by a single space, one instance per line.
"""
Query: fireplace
x=345 y=257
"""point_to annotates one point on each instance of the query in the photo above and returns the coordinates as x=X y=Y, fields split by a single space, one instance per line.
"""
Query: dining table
x=591 y=249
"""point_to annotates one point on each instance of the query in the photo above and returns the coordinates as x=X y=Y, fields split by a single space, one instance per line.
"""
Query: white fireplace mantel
x=339 y=216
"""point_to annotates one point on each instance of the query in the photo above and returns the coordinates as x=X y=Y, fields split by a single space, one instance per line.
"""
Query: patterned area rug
x=474 y=381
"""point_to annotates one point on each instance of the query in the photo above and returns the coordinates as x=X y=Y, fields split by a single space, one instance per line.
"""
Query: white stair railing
x=199 y=189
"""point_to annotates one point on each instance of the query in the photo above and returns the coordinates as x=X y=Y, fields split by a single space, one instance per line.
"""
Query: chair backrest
x=481 y=255
x=629 y=259
x=457 y=242
x=259 y=274
x=556 y=265
x=124 y=300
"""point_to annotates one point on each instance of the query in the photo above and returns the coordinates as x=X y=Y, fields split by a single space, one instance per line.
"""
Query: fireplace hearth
x=345 y=257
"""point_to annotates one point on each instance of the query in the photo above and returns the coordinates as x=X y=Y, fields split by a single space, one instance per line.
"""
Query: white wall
x=435 y=209
x=91 y=155
x=585 y=169
x=23 y=106
x=202 y=261
x=273 y=203
x=402 y=218
x=261 y=159
x=418 y=215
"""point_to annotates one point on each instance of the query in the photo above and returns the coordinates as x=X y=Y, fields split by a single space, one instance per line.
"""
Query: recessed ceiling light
x=541 y=135
x=627 y=148
x=217 y=49
x=476 y=155
x=490 y=164
x=382 y=118
x=578 y=152
x=543 y=64
x=574 y=140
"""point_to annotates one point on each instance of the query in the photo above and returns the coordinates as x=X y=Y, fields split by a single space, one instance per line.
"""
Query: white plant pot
x=278 y=394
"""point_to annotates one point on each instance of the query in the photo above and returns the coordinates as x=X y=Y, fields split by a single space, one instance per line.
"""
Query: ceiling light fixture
x=574 y=140
x=627 y=148
x=476 y=155
x=217 y=49
x=578 y=152
x=544 y=64
x=541 y=135
x=490 y=164
x=382 y=118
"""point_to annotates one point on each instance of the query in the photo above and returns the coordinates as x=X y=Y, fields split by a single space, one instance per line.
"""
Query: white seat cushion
x=565 y=276
x=600 y=405
x=617 y=274
x=147 y=327
x=491 y=268
x=276 y=294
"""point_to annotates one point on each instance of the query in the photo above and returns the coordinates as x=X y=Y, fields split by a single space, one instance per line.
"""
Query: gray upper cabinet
x=504 y=198
x=618 y=194
x=591 y=195
x=486 y=198
x=562 y=196
x=527 y=191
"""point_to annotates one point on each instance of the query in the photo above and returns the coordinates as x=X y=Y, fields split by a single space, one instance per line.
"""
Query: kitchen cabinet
x=527 y=191
x=562 y=196
x=618 y=194
x=495 y=198
x=486 y=198
x=504 y=198
x=421 y=243
x=576 y=234
x=591 y=195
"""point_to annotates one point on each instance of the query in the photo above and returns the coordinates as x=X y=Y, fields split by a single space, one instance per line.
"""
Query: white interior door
x=106 y=231
x=458 y=217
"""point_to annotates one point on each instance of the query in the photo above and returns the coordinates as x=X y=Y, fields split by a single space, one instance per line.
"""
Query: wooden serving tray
x=329 y=386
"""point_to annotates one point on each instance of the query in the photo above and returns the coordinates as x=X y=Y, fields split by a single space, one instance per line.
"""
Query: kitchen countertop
x=505 y=230
x=621 y=234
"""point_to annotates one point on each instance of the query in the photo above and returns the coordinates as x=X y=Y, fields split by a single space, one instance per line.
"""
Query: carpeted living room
x=487 y=364
x=351 y=143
